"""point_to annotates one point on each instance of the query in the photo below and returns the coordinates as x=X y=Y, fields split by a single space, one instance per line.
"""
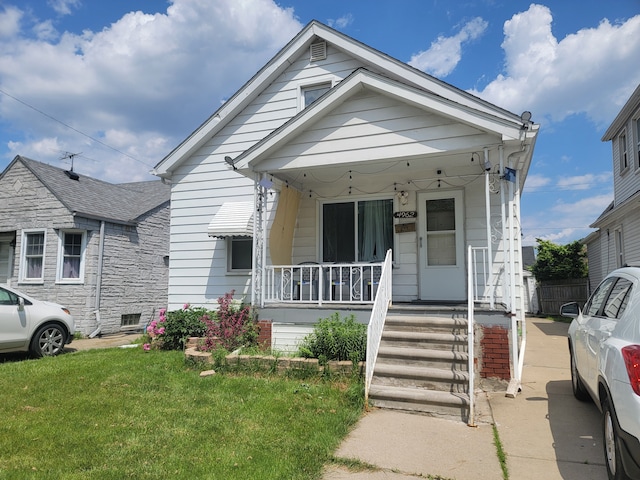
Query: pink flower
x=146 y=347
x=185 y=306
x=163 y=312
x=150 y=329
x=160 y=331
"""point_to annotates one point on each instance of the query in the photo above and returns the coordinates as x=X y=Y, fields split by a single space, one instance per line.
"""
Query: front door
x=441 y=246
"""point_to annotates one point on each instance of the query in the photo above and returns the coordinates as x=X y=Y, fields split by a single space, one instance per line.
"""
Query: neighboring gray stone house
x=100 y=249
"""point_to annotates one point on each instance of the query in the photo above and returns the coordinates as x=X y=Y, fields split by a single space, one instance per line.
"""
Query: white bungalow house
x=341 y=179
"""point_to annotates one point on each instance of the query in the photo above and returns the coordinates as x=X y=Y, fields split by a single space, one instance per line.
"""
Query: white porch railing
x=471 y=286
x=376 y=321
x=322 y=283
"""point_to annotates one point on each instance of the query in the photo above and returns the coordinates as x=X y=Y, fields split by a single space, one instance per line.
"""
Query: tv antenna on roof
x=70 y=156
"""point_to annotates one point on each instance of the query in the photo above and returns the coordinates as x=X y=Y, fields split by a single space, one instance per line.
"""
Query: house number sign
x=410 y=214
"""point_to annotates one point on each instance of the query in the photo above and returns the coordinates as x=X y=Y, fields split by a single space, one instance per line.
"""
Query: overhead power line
x=72 y=128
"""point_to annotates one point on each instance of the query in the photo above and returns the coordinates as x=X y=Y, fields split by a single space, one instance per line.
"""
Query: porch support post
x=259 y=245
x=487 y=198
x=505 y=248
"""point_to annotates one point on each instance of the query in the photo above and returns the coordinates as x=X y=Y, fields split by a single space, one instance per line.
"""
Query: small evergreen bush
x=336 y=339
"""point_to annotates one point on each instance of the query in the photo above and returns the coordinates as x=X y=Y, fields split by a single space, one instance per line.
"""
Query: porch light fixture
x=230 y=161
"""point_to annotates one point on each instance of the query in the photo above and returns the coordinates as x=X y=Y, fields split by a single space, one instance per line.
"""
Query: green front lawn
x=125 y=413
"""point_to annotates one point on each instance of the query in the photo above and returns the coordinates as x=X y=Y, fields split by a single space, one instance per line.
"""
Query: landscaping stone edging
x=281 y=363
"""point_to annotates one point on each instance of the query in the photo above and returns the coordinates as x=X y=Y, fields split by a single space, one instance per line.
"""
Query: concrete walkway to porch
x=545 y=432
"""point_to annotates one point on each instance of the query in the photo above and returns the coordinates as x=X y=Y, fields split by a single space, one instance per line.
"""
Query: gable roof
x=627 y=110
x=314 y=32
x=91 y=198
x=500 y=128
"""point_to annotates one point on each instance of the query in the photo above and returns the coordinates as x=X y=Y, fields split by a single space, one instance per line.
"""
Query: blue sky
x=122 y=82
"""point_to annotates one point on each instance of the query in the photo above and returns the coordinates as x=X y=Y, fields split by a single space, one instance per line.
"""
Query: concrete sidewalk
x=545 y=432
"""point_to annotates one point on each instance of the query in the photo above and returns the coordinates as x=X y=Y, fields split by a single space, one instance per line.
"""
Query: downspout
x=99 y=283
x=487 y=199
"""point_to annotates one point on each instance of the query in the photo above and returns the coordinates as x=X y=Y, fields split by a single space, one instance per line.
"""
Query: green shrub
x=182 y=324
x=336 y=339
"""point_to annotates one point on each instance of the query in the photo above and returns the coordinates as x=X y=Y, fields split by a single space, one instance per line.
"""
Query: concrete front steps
x=422 y=364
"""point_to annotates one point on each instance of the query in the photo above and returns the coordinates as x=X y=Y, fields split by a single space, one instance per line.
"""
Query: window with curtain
x=357 y=231
x=33 y=256
x=71 y=257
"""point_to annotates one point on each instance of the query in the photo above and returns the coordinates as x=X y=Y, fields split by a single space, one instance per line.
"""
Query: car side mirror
x=20 y=303
x=571 y=310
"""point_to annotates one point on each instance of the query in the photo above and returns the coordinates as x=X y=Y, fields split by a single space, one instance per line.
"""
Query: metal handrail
x=470 y=335
x=376 y=321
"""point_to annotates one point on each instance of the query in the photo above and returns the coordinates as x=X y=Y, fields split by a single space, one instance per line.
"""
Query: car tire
x=49 y=340
x=610 y=441
x=579 y=390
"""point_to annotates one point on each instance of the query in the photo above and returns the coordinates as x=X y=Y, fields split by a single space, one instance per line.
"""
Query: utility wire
x=72 y=128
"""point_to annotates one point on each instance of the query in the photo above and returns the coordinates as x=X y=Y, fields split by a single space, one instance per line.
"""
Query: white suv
x=26 y=324
x=604 y=343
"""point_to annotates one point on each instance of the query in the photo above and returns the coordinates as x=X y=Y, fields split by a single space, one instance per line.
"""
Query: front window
x=359 y=231
x=71 y=257
x=240 y=254
x=32 y=261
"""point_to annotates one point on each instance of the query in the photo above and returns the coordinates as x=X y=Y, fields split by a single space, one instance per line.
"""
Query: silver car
x=604 y=343
x=27 y=324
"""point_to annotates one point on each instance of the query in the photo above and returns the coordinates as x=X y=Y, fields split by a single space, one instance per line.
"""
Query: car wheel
x=612 y=458
x=579 y=390
x=49 y=340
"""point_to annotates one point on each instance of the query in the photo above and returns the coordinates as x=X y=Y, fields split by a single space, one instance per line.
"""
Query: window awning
x=233 y=219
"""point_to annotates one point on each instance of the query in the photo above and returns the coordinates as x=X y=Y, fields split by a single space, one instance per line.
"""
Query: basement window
x=130 y=319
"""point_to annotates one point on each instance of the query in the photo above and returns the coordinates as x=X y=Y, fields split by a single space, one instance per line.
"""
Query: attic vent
x=72 y=175
x=318 y=51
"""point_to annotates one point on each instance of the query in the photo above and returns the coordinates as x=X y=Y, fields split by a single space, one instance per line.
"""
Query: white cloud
x=535 y=182
x=64 y=7
x=585 y=182
x=444 y=54
x=10 y=21
x=564 y=221
x=342 y=22
x=147 y=80
x=556 y=79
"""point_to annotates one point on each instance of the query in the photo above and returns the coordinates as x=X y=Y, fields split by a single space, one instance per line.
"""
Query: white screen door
x=441 y=246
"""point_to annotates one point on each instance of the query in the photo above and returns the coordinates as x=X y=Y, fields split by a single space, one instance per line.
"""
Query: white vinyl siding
x=203 y=182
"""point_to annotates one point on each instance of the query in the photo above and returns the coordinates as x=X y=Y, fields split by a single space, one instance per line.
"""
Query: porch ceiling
x=410 y=173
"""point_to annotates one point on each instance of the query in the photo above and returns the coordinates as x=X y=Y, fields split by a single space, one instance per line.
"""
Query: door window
x=441 y=232
x=618 y=299
x=594 y=305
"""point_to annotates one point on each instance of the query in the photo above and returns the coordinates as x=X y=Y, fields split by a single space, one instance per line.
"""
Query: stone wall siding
x=135 y=263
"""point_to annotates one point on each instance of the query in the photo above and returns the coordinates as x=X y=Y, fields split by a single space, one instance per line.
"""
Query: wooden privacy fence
x=553 y=293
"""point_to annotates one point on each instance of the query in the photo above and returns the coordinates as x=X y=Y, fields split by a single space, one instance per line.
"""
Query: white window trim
x=354 y=199
x=229 y=252
x=23 y=256
x=621 y=137
x=636 y=142
x=317 y=82
x=60 y=263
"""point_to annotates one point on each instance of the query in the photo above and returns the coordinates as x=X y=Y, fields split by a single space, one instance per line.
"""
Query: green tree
x=557 y=262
